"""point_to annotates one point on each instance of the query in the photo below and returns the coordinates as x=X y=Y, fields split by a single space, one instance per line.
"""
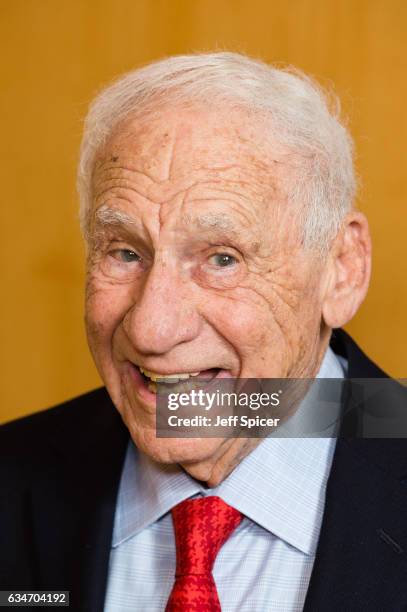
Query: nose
x=163 y=314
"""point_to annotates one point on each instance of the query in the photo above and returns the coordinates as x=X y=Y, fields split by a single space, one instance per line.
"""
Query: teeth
x=152 y=387
x=167 y=378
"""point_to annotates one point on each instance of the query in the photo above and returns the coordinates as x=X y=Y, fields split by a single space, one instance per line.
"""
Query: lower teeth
x=152 y=386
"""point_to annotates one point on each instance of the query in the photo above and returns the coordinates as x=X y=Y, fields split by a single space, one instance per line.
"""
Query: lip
x=148 y=396
x=141 y=389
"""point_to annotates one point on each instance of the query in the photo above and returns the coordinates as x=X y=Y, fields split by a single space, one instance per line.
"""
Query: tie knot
x=201 y=527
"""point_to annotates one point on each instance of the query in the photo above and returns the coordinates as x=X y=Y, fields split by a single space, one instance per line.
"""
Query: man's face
x=203 y=271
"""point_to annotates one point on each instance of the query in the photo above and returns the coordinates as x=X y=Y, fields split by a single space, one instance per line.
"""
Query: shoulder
x=69 y=423
x=59 y=469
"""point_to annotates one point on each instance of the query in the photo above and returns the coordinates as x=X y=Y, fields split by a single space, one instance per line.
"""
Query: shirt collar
x=280 y=485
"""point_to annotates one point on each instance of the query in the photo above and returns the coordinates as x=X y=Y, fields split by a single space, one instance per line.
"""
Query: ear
x=348 y=271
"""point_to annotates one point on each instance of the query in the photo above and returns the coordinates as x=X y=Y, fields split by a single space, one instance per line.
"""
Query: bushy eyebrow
x=221 y=225
x=213 y=221
x=106 y=216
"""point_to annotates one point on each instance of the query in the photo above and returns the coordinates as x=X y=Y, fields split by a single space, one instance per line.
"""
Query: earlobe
x=348 y=271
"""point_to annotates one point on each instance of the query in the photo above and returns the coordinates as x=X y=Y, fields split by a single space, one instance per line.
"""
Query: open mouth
x=149 y=385
x=185 y=379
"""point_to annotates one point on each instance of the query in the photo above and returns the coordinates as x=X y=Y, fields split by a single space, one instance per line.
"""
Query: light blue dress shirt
x=267 y=562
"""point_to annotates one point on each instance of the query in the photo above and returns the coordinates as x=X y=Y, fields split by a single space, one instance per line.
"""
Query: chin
x=176 y=450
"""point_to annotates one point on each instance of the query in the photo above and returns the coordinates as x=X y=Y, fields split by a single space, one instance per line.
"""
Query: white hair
x=300 y=116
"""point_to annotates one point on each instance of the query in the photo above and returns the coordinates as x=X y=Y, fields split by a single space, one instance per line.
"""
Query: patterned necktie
x=201 y=527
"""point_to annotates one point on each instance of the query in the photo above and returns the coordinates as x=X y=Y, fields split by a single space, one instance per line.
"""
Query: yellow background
x=56 y=54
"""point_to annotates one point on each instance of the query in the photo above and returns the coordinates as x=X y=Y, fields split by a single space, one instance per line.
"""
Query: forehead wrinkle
x=241 y=210
x=122 y=178
x=125 y=175
x=246 y=175
x=123 y=164
x=123 y=171
x=122 y=193
x=237 y=179
x=248 y=193
x=229 y=188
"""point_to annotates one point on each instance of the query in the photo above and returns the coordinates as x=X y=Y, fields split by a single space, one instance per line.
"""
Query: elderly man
x=217 y=207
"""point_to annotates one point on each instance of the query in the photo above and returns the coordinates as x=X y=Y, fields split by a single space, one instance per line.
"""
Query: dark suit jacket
x=59 y=478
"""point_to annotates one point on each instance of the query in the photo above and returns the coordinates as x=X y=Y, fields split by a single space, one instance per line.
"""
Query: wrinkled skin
x=210 y=271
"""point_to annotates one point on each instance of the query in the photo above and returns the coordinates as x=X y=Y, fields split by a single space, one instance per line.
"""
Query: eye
x=126 y=256
x=223 y=260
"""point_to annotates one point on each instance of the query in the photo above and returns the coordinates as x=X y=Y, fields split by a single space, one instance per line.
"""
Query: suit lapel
x=361 y=558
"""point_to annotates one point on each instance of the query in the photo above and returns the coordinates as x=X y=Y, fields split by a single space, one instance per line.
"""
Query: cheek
x=105 y=307
x=243 y=318
x=267 y=318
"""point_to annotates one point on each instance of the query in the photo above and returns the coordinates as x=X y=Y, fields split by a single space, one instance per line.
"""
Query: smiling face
x=195 y=263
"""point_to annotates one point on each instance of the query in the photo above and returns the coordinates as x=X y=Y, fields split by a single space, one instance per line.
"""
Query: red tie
x=201 y=527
